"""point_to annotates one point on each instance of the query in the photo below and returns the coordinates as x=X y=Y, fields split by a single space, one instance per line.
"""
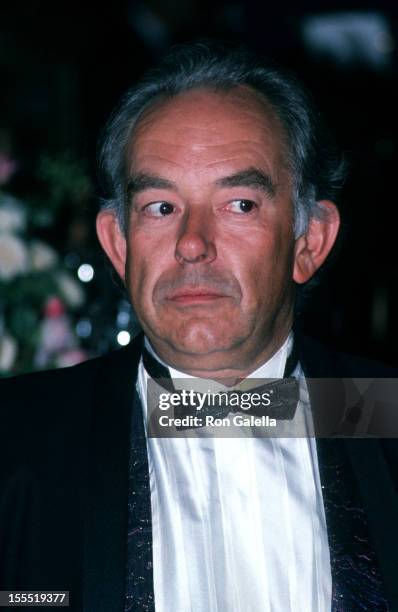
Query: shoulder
x=66 y=385
x=46 y=380
x=52 y=413
x=318 y=360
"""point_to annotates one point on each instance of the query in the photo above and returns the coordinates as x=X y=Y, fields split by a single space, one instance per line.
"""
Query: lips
x=195 y=295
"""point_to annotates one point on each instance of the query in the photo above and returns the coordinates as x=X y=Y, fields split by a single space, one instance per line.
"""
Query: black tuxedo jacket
x=65 y=442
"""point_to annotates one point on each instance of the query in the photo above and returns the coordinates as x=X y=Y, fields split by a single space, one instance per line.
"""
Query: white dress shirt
x=238 y=524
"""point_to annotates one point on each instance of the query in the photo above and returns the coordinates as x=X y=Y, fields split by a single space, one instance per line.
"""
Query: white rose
x=12 y=215
x=8 y=352
x=71 y=291
x=13 y=256
x=42 y=256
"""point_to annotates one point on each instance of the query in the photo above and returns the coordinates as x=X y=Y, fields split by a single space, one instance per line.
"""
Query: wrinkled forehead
x=208 y=117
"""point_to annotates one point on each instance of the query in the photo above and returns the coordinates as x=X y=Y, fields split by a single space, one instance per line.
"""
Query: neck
x=219 y=365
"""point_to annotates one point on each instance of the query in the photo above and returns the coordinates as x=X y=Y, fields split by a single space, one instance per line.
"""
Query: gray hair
x=318 y=168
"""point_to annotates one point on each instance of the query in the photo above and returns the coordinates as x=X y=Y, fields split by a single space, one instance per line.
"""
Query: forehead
x=207 y=124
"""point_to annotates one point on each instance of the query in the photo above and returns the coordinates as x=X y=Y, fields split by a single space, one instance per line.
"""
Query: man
x=220 y=186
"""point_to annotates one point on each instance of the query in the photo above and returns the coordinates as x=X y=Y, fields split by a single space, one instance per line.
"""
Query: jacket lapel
x=356 y=577
x=357 y=581
x=106 y=491
x=375 y=472
x=139 y=577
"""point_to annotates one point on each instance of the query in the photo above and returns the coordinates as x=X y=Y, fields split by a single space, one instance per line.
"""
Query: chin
x=201 y=340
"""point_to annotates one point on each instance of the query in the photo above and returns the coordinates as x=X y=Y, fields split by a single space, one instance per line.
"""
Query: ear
x=112 y=240
x=313 y=247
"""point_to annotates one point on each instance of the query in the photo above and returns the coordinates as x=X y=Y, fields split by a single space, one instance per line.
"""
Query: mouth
x=195 y=296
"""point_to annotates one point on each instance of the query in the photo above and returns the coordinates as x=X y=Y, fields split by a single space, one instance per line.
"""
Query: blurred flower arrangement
x=39 y=296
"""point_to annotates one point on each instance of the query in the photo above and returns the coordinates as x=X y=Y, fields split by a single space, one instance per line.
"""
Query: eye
x=241 y=206
x=158 y=209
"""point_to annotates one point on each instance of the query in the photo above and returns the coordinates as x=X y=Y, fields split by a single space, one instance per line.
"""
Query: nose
x=195 y=243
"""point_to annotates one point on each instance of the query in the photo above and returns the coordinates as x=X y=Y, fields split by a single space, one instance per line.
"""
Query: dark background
x=64 y=65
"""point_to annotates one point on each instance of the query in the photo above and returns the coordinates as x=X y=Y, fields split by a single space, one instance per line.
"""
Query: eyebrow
x=250 y=177
x=141 y=182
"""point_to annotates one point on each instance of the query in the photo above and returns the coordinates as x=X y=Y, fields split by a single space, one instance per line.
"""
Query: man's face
x=209 y=242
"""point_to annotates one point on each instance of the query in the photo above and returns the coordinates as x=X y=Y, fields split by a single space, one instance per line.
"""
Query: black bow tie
x=283 y=394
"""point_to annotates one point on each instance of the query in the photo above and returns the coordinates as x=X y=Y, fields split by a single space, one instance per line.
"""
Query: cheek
x=266 y=276
x=147 y=261
x=138 y=274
